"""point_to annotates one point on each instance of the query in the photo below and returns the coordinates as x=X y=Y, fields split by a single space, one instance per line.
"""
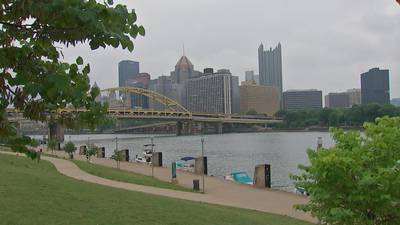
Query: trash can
x=196 y=185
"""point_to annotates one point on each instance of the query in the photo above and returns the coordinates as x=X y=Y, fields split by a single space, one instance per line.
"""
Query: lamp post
x=116 y=144
x=202 y=156
x=152 y=156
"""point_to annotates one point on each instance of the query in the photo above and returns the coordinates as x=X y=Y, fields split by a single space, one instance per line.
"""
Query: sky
x=326 y=45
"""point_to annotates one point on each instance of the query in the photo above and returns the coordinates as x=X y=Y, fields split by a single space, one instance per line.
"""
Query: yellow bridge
x=172 y=110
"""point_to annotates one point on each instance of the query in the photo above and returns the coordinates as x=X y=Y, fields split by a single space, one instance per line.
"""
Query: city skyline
x=323 y=56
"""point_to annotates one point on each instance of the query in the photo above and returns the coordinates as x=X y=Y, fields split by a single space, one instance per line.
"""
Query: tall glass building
x=375 y=87
x=127 y=70
x=270 y=68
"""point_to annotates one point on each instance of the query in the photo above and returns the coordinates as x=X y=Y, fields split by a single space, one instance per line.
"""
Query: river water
x=225 y=152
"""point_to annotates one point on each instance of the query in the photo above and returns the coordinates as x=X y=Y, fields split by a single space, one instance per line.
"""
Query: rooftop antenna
x=183 y=48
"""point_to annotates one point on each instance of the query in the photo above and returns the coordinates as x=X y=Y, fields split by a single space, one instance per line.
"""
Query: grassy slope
x=35 y=193
x=125 y=176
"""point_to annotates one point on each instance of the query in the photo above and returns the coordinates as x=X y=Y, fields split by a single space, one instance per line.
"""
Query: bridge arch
x=171 y=104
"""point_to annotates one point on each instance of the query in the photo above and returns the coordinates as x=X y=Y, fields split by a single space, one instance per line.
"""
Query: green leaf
x=41 y=81
x=79 y=60
x=141 y=30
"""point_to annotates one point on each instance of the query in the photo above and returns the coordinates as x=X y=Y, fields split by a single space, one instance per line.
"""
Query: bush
x=357 y=181
x=91 y=151
x=117 y=156
x=70 y=149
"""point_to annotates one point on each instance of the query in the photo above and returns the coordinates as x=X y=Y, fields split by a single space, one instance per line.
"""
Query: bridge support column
x=219 y=128
x=56 y=132
x=190 y=127
x=179 y=127
x=202 y=127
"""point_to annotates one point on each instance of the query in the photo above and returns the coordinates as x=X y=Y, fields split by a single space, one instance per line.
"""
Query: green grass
x=125 y=176
x=34 y=193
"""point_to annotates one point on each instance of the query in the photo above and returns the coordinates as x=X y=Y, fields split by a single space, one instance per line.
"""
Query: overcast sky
x=325 y=44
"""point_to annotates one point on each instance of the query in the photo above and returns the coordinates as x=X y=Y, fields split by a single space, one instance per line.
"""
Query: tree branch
x=27 y=26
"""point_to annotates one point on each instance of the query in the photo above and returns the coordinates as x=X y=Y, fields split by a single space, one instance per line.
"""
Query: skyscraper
x=127 y=70
x=337 y=100
x=375 y=87
x=213 y=92
x=302 y=99
x=355 y=96
x=249 y=75
x=184 y=70
x=270 y=67
x=262 y=99
x=165 y=86
x=140 y=81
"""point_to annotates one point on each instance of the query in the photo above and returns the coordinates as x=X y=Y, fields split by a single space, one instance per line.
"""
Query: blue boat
x=185 y=163
x=240 y=177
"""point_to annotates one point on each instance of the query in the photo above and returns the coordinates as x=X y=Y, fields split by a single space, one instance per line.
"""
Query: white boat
x=145 y=157
x=141 y=159
x=301 y=190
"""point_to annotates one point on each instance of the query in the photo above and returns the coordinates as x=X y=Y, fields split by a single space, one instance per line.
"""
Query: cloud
x=326 y=44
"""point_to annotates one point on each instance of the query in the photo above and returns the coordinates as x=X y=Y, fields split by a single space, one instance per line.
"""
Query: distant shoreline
x=270 y=130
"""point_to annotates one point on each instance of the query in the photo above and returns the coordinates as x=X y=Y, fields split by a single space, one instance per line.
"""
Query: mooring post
x=319 y=143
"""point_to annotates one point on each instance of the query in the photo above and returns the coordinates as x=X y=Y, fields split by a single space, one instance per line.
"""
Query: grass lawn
x=34 y=193
x=125 y=176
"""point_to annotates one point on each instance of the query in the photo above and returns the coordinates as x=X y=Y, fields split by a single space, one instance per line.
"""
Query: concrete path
x=217 y=191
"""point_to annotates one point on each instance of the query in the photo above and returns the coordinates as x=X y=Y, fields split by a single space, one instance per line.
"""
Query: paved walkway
x=217 y=191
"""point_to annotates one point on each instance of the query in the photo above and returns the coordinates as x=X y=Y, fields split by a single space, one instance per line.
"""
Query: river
x=225 y=152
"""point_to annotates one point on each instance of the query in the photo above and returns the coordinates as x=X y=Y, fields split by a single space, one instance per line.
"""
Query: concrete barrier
x=82 y=150
x=199 y=164
x=156 y=159
x=196 y=185
x=101 y=152
x=262 y=176
x=125 y=154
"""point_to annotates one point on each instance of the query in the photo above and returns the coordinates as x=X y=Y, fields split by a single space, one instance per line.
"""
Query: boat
x=240 y=177
x=146 y=155
x=301 y=190
x=185 y=163
x=142 y=159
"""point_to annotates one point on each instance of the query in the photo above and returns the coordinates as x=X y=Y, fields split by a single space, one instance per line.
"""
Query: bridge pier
x=190 y=127
x=184 y=128
x=179 y=128
x=219 y=128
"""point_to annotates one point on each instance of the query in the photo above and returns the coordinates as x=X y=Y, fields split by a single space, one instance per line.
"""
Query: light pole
x=202 y=156
x=116 y=144
x=152 y=156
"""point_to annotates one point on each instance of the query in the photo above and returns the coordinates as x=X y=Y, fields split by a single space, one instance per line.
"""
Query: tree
x=91 y=151
x=118 y=157
x=52 y=145
x=252 y=112
x=34 y=78
x=357 y=181
x=70 y=148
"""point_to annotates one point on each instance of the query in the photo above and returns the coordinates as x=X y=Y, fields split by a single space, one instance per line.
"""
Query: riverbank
x=218 y=191
x=284 y=151
x=35 y=193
